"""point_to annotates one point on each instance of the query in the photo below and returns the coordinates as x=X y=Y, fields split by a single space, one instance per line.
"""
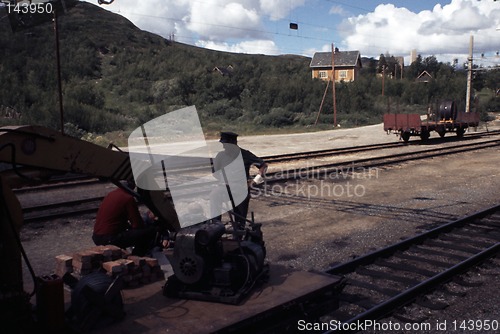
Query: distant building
x=347 y=65
x=424 y=77
x=224 y=71
x=413 y=56
x=401 y=61
x=398 y=72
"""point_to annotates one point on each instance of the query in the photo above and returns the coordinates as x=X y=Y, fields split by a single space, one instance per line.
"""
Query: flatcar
x=446 y=119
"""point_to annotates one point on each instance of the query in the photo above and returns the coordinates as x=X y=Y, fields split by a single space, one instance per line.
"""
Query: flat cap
x=228 y=137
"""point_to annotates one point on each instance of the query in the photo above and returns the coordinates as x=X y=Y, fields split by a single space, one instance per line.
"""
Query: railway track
x=373 y=147
x=381 y=282
x=47 y=212
x=70 y=180
x=90 y=205
x=322 y=170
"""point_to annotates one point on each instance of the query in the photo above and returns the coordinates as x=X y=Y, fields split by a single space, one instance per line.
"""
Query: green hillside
x=115 y=77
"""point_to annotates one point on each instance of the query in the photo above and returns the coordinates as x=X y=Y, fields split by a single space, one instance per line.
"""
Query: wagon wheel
x=441 y=133
x=405 y=136
x=460 y=132
x=424 y=135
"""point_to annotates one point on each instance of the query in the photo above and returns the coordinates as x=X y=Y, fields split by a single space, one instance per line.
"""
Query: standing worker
x=229 y=140
x=118 y=222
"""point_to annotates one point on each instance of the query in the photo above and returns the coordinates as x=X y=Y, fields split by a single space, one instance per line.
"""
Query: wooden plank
x=148 y=311
x=401 y=122
x=469 y=118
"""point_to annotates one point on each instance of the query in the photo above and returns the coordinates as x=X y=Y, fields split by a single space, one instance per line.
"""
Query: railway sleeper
x=426 y=302
x=445 y=245
x=343 y=315
x=484 y=226
x=421 y=259
x=472 y=240
x=357 y=299
x=436 y=252
x=487 y=222
x=486 y=234
x=387 y=276
x=447 y=289
x=461 y=281
x=405 y=267
x=495 y=217
x=404 y=318
x=370 y=286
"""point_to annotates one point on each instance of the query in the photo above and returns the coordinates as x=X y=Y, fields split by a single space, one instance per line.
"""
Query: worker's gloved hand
x=258 y=179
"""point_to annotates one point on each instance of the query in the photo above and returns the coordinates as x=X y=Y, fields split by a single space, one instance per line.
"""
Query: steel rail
x=378 y=311
x=369 y=147
x=61 y=205
x=327 y=152
x=75 y=180
x=376 y=161
x=350 y=266
x=407 y=296
x=291 y=174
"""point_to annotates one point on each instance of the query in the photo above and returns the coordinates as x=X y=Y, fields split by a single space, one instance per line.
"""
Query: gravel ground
x=317 y=223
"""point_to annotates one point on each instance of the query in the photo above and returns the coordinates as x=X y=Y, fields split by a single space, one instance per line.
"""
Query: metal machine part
x=447 y=111
x=213 y=264
x=96 y=302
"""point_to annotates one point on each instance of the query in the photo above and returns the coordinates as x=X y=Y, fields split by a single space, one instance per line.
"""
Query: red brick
x=152 y=262
x=126 y=263
x=78 y=265
x=85 y=256
x=113 y=267
x=138 y=261
x=64 y=264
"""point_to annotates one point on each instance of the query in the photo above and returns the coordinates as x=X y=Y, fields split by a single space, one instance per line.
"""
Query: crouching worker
x=118 y=222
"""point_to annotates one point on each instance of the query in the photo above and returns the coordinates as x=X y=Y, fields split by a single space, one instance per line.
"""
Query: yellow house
x=347 y=65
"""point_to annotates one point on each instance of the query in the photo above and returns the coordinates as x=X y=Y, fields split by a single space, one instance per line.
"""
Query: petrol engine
x=216 y=264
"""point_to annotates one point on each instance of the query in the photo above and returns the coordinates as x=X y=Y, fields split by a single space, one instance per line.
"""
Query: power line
x=266 y=32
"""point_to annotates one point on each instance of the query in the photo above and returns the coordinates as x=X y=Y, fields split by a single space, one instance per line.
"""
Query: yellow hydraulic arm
x=33 y=154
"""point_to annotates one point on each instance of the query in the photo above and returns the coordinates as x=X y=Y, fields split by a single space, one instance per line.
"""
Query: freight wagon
x=446 y=119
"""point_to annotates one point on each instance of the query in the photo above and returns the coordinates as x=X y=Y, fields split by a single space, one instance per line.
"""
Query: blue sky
x=373 y=27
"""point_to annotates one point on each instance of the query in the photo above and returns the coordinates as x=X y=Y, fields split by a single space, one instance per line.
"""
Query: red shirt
x=116 y=210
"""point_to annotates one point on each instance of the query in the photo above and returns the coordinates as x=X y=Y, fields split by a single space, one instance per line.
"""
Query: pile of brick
x=134 y=270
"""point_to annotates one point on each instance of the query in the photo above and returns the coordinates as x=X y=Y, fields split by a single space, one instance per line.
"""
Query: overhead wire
x=264 y=32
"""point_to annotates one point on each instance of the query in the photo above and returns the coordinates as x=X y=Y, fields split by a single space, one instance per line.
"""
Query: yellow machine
x=208 y=263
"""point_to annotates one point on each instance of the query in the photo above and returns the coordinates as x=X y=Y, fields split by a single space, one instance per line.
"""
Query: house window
x=343 y=74
x=323 y=74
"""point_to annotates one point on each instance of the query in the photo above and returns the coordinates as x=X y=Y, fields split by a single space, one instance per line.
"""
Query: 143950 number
x=31 y=8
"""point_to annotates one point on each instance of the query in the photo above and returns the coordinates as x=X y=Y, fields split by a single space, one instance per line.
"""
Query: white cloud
x=254 y=47
x=442 y=30
x=234 y=25
x=208 y=22
x=219 y=20
x=337 y=9
x=278 y=9
x=457 y=18
x=157 y=16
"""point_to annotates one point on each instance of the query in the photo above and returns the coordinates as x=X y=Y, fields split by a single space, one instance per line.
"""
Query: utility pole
x=58 y=68
x=469 y=76
x=333 y=89
x=383 y=79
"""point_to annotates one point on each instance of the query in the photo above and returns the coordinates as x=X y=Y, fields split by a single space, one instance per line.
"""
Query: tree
x=431 y=65
x=415 y=68
x=382 y=63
